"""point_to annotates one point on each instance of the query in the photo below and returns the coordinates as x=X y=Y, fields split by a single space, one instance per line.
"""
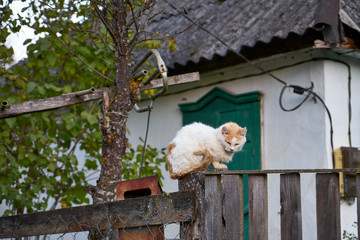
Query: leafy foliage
x=151 y=163
x=38 y=164
x=37 y=152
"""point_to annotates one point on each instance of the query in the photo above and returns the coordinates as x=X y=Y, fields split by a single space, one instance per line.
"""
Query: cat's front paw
x=220 y=166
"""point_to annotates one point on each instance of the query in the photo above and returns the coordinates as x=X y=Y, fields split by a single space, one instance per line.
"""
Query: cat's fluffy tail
x=171 y=146
x=207 y=160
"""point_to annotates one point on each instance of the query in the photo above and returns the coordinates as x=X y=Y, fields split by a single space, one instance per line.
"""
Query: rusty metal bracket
x=162 y=70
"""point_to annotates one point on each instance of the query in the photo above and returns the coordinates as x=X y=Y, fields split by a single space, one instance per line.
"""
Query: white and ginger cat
x=197 y=145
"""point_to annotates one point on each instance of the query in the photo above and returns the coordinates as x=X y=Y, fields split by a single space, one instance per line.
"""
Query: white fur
x=198 y=137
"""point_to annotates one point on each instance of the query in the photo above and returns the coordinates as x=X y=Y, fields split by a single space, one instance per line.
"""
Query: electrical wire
x=301 y=90
x=331 y=125
x=225 y=44
x=145 y=140
x=297 y=89
x=349 y=107
x=349 y=102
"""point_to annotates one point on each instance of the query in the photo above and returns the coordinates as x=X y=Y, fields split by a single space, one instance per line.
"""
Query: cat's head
x=232 y=137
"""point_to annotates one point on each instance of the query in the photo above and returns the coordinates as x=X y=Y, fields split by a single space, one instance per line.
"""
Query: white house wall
x=298 y=139
x=289 y=139
x=336 y=97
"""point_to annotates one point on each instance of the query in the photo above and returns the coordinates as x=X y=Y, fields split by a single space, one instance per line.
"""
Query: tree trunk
x=116 y=107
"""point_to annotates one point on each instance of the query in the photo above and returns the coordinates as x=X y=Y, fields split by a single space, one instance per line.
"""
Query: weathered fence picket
x=328 y=206
x=358 y=202
x=258 y=207
x=212 y=208
x=232 y=205
x=290 y=202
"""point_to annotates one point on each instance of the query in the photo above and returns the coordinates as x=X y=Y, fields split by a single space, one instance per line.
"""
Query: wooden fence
x=221 y=208
x=209 y=205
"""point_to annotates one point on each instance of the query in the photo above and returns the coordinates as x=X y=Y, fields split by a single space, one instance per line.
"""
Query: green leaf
x=44 y=44
x=67 y=89
x=36 y=188
x=10 y=121
x=6 y=134
x=91 y=119
x=31 y=86
x=32 y=157
x=73 y=160
x=8 y=212
x=27 y=41
x=52 y=166
x=51 y=59
x=41 y=90
x=91 y=164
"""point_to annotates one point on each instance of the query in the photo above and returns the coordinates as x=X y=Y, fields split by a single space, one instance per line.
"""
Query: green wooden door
x=218 y=107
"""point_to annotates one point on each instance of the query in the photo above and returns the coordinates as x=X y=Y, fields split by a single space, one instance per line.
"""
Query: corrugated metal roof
x=240 y=23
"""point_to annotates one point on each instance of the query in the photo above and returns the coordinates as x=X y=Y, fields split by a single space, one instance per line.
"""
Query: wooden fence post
x=212 y=208
x=194 y=229
x=358 y=201
x=233 y=206
x=258 y=207
x=290 y=200
x=328 y=206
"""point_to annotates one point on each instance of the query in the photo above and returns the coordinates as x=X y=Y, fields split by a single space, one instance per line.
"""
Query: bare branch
x=133 y=15
x=140 y=26
x=164 y=36
x=108 y=63
x=106 y=24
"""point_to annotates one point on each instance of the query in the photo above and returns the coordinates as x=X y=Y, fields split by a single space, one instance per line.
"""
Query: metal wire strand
x=145 y=140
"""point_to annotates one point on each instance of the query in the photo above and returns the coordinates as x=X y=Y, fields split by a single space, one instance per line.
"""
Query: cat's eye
x=236 y=144
x=228 y=143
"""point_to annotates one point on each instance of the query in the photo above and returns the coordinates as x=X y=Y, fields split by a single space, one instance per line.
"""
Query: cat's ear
x=224 y=130
x=243 y=131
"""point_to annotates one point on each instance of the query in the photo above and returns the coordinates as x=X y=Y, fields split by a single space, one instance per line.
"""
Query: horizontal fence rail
x=138 y=212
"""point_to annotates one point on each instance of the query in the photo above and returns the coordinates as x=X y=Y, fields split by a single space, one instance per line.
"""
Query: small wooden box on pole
x=146 y=186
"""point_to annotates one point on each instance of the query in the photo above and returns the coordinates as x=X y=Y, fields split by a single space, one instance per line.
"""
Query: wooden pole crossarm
x=13 y=110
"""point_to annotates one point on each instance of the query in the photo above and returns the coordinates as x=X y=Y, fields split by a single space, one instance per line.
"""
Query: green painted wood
x=218 y=107
x=219 y=93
